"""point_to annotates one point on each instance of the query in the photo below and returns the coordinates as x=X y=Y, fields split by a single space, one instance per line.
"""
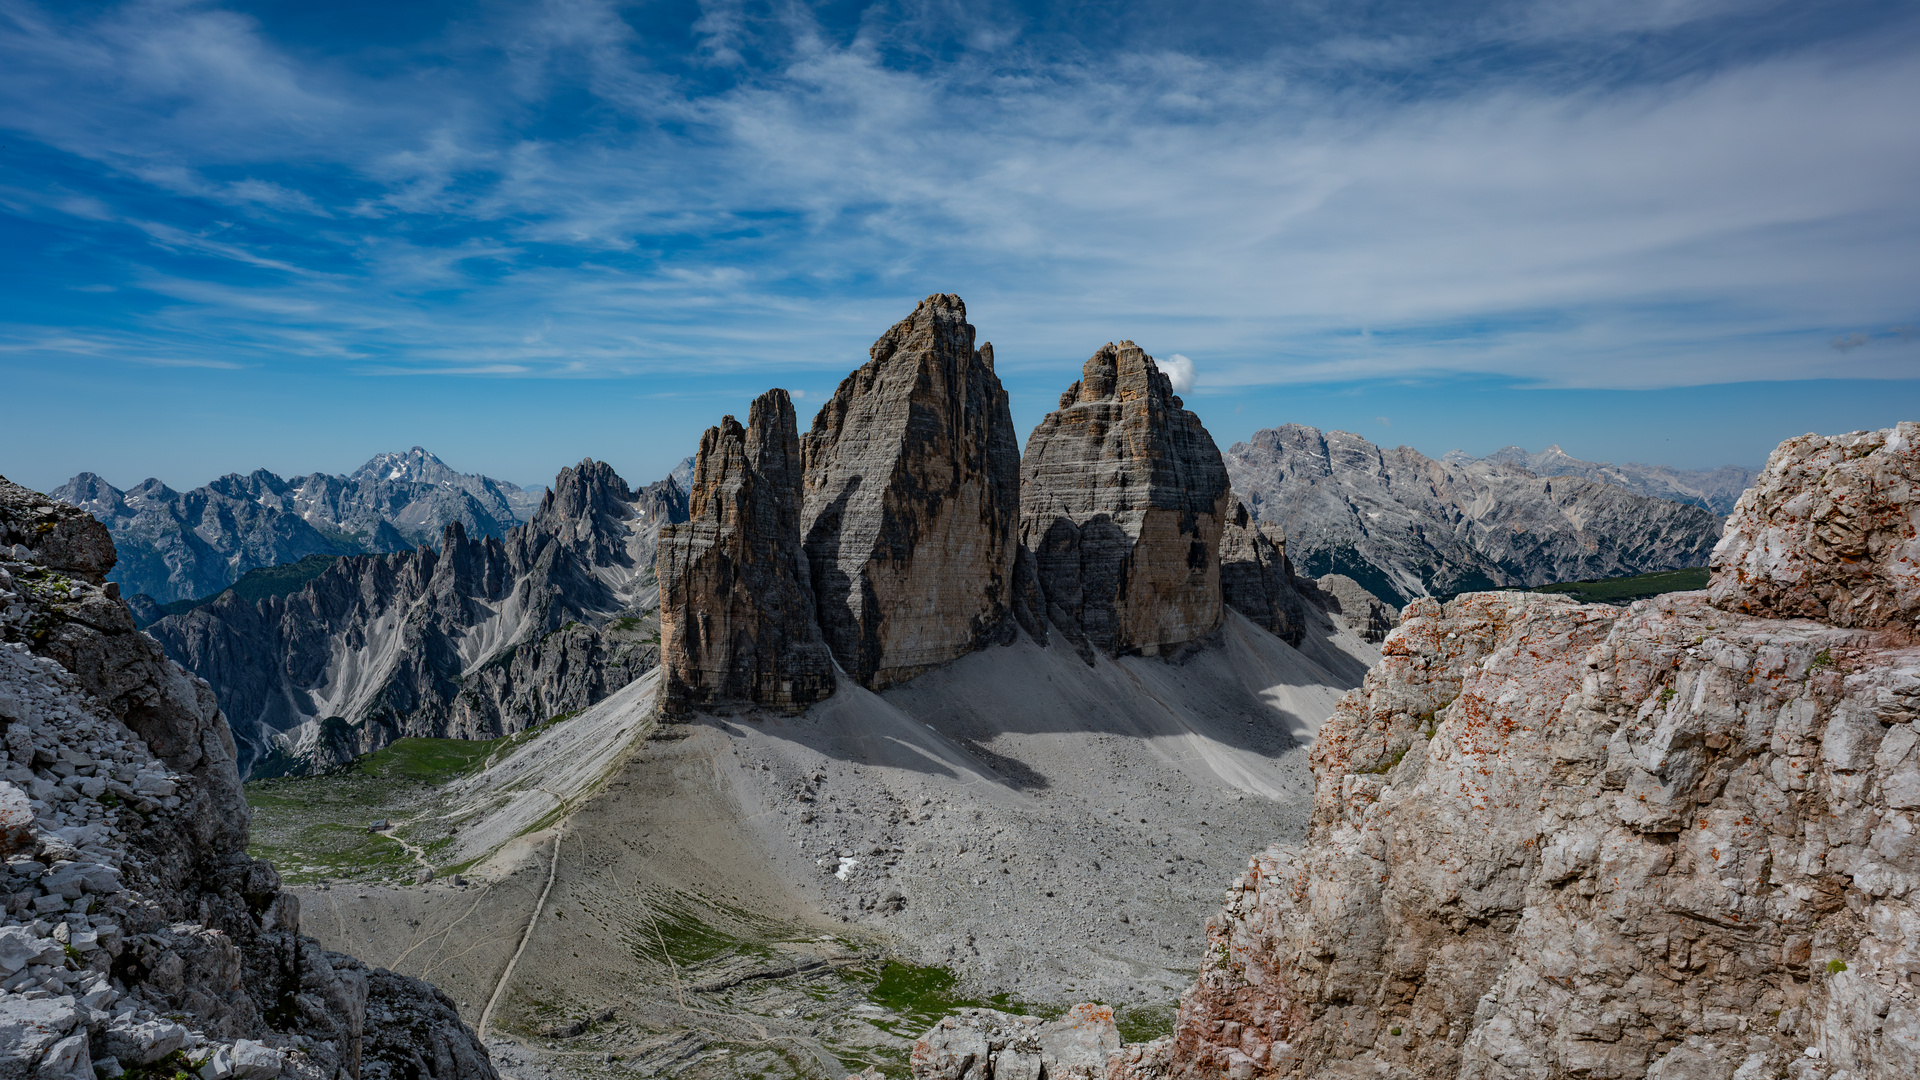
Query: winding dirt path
x=506 y=976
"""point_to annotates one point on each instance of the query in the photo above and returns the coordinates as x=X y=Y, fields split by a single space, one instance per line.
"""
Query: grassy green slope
x=1635 y=587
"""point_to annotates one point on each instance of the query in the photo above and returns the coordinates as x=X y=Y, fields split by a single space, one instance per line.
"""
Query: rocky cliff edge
x=1553 y=839
x=139 y=938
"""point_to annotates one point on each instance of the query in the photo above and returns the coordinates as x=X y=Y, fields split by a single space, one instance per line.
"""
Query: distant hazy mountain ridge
x=1405 y=525
x=177 y=545
x=1713 y=489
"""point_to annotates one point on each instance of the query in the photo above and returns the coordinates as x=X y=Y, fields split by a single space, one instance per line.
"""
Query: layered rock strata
x=912 y=501
x=736 y=605
x=1123 y=496
x=987 y=1044
x=1553 y=839
x=138 y=937
x=481 y=638
x=1404 y=525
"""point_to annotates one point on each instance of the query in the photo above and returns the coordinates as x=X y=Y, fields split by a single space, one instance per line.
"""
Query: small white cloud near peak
x=1383 y=421
x=1179 y=370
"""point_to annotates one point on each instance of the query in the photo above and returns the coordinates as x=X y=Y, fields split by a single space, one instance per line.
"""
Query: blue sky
x=291 y=235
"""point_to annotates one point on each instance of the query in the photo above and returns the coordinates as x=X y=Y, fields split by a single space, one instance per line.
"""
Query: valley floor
x=756 y=894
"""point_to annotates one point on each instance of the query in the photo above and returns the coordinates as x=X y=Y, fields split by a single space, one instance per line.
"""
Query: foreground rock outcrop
x=484 y=637
x=1122 y=499
x=913 y=501
x=1830 y=531
x=1404 y=525
x=1553 y=839
x=736 y=607
x=139 y=938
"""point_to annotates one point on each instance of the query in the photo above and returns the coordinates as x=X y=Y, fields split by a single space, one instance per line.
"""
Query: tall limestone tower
x=1123 y=496
x=736 y=610
x=913 y=501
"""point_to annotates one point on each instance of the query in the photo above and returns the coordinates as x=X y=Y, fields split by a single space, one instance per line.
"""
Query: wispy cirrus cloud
x=565 y=189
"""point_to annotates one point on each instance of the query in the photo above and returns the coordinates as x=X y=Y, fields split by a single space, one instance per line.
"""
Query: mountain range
x=481 y=637
x=186 y=545
x=1710 y=489
x=1019 y=714
x=1406 y=525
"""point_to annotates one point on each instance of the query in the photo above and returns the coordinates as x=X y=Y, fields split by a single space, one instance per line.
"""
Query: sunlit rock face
x=1830 y=531
x=1554 y=839
x=736 y=607
x=1123 y=496
x=912 y=501
x=1402 y=525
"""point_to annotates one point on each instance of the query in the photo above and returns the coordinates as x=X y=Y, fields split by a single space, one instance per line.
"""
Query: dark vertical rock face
x=736 y=607
x=912 y=501
x=1122 y=499
x=1349 y=601
x=1255 y=577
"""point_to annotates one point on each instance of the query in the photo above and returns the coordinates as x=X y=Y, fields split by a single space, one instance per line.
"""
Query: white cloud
x=1179 y=371
x=1685 y=230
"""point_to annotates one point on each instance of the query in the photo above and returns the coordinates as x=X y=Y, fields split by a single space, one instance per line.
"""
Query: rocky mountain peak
x=737 y=622
x=191 y=545
x=588 y=506
x=1404 y=525
x=912 y=501
x=1123 y=496
x=1711 y=489
x=415 y=465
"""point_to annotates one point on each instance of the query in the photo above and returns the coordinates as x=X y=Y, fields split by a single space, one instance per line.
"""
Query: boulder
x=1123 y=496
x=142 y=1042
x=1830 y=531
x=987 y=1044
x=29 y=1030
x=736 y=604
x=256 y=1061
x=912 y=501
x=68 y=1059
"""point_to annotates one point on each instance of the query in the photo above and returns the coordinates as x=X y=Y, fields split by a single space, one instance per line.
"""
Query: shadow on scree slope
x=1250 y=696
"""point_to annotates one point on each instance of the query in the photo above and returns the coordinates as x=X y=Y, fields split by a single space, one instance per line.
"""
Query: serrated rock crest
x=737 y=621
